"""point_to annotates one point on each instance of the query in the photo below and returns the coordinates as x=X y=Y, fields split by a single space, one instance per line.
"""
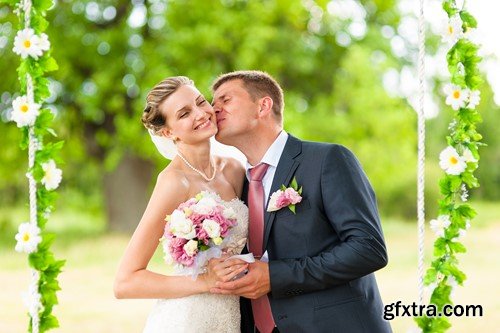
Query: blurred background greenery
x=331 y=58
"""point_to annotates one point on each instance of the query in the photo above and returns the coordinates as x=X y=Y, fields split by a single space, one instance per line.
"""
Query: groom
x=316 y=268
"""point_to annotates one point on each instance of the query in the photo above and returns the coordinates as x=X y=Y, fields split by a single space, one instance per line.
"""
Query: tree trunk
x=127 y=193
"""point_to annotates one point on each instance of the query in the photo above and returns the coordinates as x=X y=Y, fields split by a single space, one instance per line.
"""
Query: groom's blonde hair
x=152 y=117
x=258 y=84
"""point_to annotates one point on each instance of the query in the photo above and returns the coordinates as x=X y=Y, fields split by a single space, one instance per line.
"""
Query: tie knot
x=258 y=172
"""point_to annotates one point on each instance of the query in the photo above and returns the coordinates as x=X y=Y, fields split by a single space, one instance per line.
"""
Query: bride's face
x=190 y=118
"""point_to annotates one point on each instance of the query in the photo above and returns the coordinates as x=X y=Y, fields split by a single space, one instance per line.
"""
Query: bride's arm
x=133 y=280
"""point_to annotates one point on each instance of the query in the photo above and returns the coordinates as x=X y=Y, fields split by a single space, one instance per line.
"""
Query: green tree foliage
x=110 y=53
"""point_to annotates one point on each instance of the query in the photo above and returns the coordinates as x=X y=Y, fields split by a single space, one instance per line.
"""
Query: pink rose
x=292 y=196
x=176 y=248
x=282 y=200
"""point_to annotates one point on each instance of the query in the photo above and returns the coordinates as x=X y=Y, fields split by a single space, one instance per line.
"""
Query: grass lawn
x=87 y=303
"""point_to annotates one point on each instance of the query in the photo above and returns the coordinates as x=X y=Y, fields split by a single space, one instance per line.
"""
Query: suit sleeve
x=351 y=209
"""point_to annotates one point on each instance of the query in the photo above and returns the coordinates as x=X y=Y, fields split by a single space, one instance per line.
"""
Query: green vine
x=35 y=122
x=459 y=161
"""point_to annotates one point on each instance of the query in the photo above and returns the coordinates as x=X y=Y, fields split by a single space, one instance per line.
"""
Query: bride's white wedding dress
x=204 y=312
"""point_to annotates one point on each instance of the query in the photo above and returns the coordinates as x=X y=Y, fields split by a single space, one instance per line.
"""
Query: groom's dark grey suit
x=322 y=259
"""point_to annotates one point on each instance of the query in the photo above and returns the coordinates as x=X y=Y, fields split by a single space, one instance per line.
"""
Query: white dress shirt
x=271 y=157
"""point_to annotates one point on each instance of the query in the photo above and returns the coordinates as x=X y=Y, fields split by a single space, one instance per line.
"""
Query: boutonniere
x=285 y=197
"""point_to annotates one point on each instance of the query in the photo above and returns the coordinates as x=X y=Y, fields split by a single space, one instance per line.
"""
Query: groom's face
x=235 y=110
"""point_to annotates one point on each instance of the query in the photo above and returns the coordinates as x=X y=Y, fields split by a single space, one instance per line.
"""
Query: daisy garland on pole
x=34 y=121
x=458 y=160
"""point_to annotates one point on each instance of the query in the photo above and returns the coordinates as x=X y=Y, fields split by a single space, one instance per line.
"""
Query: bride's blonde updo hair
x=152 y=118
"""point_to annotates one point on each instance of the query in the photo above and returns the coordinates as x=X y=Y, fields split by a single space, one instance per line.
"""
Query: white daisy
x=26 y=43
x=52 y=176
x=440 y=224
x=24 y=113
x=474 y=99
x=43 y=42
x=453 y=30
x=451 y=162
x=456 y=96
x=28 y=238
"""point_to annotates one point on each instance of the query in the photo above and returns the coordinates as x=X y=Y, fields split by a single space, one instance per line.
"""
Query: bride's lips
x=204 y=124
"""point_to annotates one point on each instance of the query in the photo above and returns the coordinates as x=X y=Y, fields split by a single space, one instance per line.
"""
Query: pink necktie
x=260 y=307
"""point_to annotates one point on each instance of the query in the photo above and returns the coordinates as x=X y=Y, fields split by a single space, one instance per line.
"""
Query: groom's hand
x=253 y=285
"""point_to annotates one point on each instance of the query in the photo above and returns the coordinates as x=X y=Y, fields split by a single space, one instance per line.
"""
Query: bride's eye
x=183 y=115
x=202 y=102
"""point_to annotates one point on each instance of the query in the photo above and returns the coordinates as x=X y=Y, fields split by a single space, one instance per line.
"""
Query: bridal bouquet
x=196 y=230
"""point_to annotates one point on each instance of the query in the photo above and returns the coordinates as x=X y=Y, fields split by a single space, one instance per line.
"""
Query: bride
x=177 y=111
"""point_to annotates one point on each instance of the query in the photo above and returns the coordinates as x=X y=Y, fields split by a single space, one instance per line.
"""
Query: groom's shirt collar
x=271 y=157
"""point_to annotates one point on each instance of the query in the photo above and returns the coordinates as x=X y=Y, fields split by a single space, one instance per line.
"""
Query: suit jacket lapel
x=283 y=176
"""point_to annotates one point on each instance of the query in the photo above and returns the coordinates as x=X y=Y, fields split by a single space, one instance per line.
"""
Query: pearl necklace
x=198 y=171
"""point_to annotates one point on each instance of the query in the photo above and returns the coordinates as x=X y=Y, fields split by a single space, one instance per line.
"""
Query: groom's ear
x=266 y=106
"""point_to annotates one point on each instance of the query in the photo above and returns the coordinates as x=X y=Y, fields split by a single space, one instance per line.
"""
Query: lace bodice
x=203 y=312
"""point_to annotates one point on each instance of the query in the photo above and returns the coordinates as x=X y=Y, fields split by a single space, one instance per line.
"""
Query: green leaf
x=292 y=208
x=42 y=5
x=49 y=64
x=51 y=131
x=430 y=276
x=440 y=247
x=457 y=247
x=468 y=19
x=39 y=23
x=455 y=183
x=48 y=322
x=294 y=184
x=466 y=211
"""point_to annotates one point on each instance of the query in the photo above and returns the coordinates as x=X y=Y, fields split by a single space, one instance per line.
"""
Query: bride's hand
x=224 y=269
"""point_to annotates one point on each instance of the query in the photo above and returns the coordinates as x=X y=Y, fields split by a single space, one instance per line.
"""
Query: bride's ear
x=266 y=106
x=168 y=134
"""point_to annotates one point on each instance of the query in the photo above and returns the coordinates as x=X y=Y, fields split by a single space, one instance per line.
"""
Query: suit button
x=281 y=317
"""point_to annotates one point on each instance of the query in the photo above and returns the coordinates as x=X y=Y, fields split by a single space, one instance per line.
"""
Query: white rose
x=180 y=226
x=271 y=206
x=205 y=206
x=229 y=213
x=191 y=247
x=212 y=228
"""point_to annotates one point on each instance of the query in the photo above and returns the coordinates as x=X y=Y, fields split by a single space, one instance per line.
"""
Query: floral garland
x=459 y=160
x=33 y=46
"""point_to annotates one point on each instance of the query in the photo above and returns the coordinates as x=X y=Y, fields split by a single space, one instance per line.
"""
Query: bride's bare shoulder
x=173 y=178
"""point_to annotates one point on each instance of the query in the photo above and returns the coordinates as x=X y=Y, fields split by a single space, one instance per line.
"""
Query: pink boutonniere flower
x=285 y=197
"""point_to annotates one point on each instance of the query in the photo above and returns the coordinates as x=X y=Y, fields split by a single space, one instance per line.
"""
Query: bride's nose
x=201 y=113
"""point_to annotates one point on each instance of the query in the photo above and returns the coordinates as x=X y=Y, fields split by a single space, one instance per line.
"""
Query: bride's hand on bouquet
x=224 y=269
